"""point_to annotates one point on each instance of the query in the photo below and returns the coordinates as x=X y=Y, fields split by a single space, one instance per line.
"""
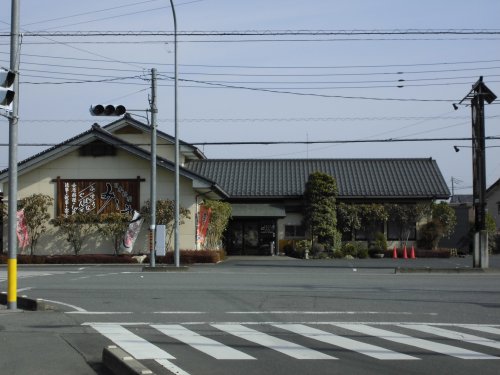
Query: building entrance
x=251 y=237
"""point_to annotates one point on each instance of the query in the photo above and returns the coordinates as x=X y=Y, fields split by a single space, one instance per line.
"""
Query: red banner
x=203 y=223
x=22 y=229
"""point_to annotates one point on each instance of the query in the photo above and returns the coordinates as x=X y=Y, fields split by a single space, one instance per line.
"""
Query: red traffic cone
x=395 y=253
x=412 y=253
x=405 y=253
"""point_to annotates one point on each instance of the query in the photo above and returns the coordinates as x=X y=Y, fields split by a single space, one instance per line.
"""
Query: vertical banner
x=132 y=232
x=203 y=223
x=22 y=229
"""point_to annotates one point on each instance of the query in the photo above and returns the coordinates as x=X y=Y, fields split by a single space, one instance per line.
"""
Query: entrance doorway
x=251 y=236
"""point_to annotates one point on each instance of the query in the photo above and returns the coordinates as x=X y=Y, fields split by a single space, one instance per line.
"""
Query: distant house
x=493 y=202
x=107 y=169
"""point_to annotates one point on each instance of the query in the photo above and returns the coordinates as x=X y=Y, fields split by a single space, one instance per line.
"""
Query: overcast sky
x=329 y=82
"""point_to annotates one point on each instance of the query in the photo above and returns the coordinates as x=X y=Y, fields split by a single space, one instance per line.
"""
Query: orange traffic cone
x=412 y=253
x=405 y=254
x=395 y=253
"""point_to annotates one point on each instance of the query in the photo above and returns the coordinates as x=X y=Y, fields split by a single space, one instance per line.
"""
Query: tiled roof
x=462 y=198
x=356 y=178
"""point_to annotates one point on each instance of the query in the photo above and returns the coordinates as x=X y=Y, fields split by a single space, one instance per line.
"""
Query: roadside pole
x=13 y=130
x=152 y=228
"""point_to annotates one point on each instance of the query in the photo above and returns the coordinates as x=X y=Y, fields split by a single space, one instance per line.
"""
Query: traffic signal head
x=7 y=79
x=108 y=110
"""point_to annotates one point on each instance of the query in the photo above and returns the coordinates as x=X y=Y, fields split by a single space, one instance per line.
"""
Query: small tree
x=76 y=228
x=165 y=215
x=319 y=209
x=113 y=226
x=442 y=224
x=36 y=214
x=491 y=229
x=221 y=212
x=371 y=215
x=406 y=216
x=348 y=219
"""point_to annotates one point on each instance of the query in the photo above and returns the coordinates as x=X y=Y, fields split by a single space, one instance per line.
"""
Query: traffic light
x=7 y=79
x=108 y=110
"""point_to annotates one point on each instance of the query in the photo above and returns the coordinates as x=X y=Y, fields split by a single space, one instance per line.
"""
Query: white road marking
x=176 y=370
x=99 y=312
x=278 y=312
x=180 y=312
x=473 y=339
x=136 y=346
x=288 y=348
x=24 y=289
x=487 y=329
x=344 y=342
x=77 y=309
x=204 y=344
x=416 y=342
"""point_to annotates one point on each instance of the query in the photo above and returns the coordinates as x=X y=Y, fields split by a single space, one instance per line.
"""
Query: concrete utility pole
x=478 y=95
x=177 y=156
x=13 y=125
x=152 y=227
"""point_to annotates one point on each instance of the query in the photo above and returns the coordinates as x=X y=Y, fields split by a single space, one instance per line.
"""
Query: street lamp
x=176 y=134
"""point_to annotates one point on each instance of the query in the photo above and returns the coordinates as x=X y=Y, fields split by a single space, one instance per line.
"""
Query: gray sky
x=273 y=86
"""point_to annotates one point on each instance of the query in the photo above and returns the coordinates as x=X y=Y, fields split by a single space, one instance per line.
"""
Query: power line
x=261 y=32
x=280 y=67
x=245 y=143
x=276 y=119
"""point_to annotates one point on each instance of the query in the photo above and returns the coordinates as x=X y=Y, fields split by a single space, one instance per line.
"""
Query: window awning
x=258 y=210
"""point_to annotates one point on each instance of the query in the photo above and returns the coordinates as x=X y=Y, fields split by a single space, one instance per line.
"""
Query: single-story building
x=267 y=194
x=107 y=169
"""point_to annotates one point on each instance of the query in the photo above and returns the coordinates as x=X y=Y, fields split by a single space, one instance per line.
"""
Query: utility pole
x=177 y=156
x=478 y=95
x=152 y=227
x=13 y=125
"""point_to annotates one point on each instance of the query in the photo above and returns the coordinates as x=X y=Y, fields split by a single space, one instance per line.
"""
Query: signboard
x=97 y=196
x=160 y=244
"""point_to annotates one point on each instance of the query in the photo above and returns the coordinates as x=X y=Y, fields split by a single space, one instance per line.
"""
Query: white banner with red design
x=22 y=229
x=203 y=222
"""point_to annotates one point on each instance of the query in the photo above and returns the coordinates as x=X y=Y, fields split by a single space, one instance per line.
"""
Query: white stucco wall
x=121 y=166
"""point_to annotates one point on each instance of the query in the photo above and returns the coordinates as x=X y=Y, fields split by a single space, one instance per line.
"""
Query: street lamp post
x=176 y=134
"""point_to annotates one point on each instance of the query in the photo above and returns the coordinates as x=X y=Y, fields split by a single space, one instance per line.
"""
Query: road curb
x=119 y=362
x=26 y=303
x=445 y=270
x=165 y=269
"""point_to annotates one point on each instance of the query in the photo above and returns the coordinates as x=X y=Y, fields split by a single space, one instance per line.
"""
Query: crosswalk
x=380 y=341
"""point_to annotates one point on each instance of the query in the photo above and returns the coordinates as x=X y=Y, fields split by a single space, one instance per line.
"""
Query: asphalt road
x=260 y=316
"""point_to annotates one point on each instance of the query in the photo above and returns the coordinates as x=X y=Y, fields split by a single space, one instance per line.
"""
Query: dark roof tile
x=375 y=178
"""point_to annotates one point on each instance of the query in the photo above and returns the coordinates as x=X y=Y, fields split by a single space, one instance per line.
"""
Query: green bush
x=354 y=249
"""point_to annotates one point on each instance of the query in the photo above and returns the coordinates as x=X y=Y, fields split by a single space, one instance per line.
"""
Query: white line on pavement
x=344 y=342
x=204 y=344
x=136 y=346
x=416 y=342
x=288 y=348
x=473 y=339
x=176 y=370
